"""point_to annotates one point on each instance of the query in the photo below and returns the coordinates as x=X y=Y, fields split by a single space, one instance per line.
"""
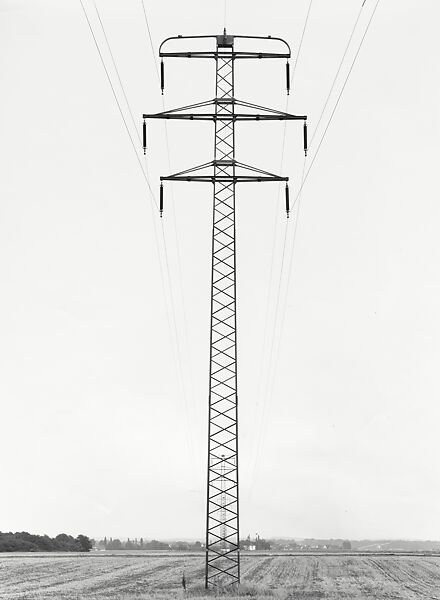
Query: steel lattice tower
x=224 y=172
x=222 y=520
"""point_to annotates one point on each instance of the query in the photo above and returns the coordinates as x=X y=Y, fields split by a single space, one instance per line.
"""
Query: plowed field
x=99 y=577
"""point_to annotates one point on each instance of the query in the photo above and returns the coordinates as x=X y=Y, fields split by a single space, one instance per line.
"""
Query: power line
x=118 y=104
x=266 y=320
x=301 y=43
x=176 y=234
x=298 y=197
x=337 y=74
x=269 y=286
x=279 y=187
x=267 y=409
x=339 y=98
x=172 y=302
x=269 y=362
x=152 y=198
x=289 y=272
x=117 y=73
x=298 y=201
x=179 y=361
x=151 y=39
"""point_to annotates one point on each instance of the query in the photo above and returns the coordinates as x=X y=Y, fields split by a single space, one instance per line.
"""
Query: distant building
x=252 y=545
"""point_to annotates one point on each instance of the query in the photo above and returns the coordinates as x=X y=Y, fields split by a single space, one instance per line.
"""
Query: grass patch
x=244 y=590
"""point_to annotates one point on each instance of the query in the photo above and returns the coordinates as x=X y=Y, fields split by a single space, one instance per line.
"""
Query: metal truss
x=225 y=47
x=224 y=172
x=268 y=114
x=222 y=519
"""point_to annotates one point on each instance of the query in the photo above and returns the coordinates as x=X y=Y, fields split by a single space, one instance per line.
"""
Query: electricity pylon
x=224 y=172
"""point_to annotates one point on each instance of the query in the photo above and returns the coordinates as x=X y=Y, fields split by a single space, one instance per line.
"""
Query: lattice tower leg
x=222 y=526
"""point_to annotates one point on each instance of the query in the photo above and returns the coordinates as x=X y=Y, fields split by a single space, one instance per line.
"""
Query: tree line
x=141 y=544
x=22 y=541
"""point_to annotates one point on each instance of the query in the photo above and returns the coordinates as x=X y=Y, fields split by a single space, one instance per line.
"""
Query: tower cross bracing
x=222 y=540
x=222 y=528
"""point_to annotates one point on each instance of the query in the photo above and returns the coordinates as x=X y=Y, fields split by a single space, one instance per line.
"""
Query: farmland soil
x=102 y=576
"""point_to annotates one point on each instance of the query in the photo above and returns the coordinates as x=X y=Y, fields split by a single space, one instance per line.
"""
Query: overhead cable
x=337 y=73
x=339 y=98
x=118 y=103
x=135 y=127
x=298 y=201
x=270 y=344
x=178 y=253
x=176 y=360
x=301 y=43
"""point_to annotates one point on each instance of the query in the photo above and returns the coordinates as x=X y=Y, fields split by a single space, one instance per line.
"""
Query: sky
x=104 y=308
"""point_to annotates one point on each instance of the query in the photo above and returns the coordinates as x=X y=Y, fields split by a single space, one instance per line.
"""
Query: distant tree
x=105 y=542
x=45 y=543
x=262 y=544
x=23 y=541
x=346 y=545
x=156 y=545
x=84 y=542
x=181 y=546
x=66 y=543
x=10 y=542
x=141 y=542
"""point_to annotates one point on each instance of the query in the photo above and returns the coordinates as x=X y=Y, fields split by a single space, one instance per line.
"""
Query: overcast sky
x=104 y=371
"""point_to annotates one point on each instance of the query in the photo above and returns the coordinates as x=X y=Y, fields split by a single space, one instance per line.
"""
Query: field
x=158 y=576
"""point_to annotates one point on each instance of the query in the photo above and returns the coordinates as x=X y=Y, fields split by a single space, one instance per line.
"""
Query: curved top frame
x=236 y=54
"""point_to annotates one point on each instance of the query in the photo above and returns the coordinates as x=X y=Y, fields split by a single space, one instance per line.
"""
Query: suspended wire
x=156 y=66
x=339 y=98
x=337 y=74
x=176 y=332
x=304 y=176
x=169 y=167
x=152 y=198
x=265 y=396
x=292 y=251
x=118 y=104
x=298 y=201
x=275 y=347
x=283 y=313
x=151 y=40
x=135 y=127
x=301 y=43
x=260 y=395
x=256 y=453
x=267 y=409
x=306 y=20
x=179 y=262
x=277 y=303
x=176 y=353
x=289 y=273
